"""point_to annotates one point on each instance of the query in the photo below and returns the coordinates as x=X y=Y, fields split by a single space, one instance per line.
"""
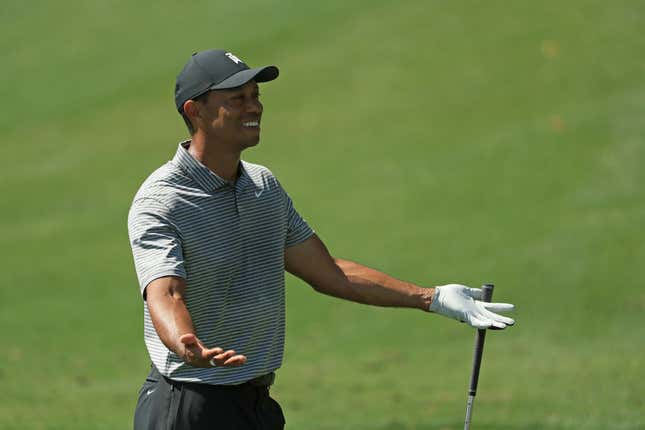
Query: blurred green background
x=462 y=141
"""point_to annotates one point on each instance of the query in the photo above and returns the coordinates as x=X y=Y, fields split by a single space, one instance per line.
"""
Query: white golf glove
x=460 y=302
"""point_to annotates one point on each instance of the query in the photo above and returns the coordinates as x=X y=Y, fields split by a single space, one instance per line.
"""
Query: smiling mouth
x=251 y=124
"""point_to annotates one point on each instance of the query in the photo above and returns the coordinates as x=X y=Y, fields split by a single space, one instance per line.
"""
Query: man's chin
x=250 y=143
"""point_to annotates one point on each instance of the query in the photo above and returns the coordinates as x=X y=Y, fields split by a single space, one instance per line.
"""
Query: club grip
x=487 y=296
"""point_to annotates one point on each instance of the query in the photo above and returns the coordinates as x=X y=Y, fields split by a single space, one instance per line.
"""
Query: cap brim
x=258 y=74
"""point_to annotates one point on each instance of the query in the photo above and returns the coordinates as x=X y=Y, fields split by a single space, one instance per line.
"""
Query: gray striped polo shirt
x=227 y=239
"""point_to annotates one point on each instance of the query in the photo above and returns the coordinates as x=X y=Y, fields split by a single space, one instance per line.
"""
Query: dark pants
x=165 y=404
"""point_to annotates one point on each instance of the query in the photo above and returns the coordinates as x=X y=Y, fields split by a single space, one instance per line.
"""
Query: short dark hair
x=200 y=98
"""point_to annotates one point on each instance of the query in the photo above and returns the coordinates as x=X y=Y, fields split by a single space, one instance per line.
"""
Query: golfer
x=211 y=237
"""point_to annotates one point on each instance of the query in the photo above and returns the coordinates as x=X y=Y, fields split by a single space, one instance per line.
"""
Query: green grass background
x=461 y=141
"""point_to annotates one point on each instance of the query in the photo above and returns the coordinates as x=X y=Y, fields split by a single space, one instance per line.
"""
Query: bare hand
x=197 y=355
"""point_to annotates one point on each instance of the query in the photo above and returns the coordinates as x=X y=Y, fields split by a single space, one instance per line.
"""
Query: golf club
x=487 y=296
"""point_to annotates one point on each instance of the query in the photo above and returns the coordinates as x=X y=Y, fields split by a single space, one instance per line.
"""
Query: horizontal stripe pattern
x=227 y=240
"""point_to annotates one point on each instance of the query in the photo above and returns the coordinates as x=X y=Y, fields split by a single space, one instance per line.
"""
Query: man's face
x=233 y=116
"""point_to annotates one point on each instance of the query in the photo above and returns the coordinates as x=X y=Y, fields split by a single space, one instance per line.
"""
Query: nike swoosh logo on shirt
x=258 y=193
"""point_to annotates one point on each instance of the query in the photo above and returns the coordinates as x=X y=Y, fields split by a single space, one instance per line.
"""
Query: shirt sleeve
x=297 y=228
x=155 y=241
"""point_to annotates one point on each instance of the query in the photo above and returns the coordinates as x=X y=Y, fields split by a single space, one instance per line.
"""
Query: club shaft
x=469 y=411
x=487 y=296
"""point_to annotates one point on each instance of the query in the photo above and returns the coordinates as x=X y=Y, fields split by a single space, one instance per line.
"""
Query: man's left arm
x=311 y=262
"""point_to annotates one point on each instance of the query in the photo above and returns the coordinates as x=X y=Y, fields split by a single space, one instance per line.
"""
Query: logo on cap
x=233 y=58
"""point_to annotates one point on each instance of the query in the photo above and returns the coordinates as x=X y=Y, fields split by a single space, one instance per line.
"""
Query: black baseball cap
x=216 y=69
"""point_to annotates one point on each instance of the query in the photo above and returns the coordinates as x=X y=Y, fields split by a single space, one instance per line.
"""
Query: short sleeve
x=297 y=229
x=155 y=242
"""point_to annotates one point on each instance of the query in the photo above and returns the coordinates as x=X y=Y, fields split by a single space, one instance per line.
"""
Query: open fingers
x=193 y=347
x=479 y=323
x=228 y=358
x=485 y=319
x=498 y=307
x=224 y=355
x=499 y=318
x=236 y=360
x=212 y=352
x=196 y=354
x=197 y=349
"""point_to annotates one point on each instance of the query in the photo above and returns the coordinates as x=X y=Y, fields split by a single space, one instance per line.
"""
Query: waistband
x=263 y=381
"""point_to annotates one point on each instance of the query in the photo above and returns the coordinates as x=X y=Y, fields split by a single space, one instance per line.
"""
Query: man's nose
x=254 y=106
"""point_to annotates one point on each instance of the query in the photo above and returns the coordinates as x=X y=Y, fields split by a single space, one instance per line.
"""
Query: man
x=211 y=237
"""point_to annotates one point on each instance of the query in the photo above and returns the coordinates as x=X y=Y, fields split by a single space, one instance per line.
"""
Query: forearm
x=369 y=286
x=172 y=321
x=169 y=314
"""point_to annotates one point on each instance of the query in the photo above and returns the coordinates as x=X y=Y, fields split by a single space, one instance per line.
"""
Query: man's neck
x=223 y=163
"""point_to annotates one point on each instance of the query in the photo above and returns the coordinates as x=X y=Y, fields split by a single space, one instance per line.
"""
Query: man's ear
x=192 y=111
x=191 y=108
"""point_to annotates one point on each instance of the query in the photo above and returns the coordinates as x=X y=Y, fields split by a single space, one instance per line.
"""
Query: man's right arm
x=174 y=325
x=158 y=257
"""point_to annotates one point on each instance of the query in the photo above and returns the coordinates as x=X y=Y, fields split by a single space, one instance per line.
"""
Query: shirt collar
x=205 y=177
